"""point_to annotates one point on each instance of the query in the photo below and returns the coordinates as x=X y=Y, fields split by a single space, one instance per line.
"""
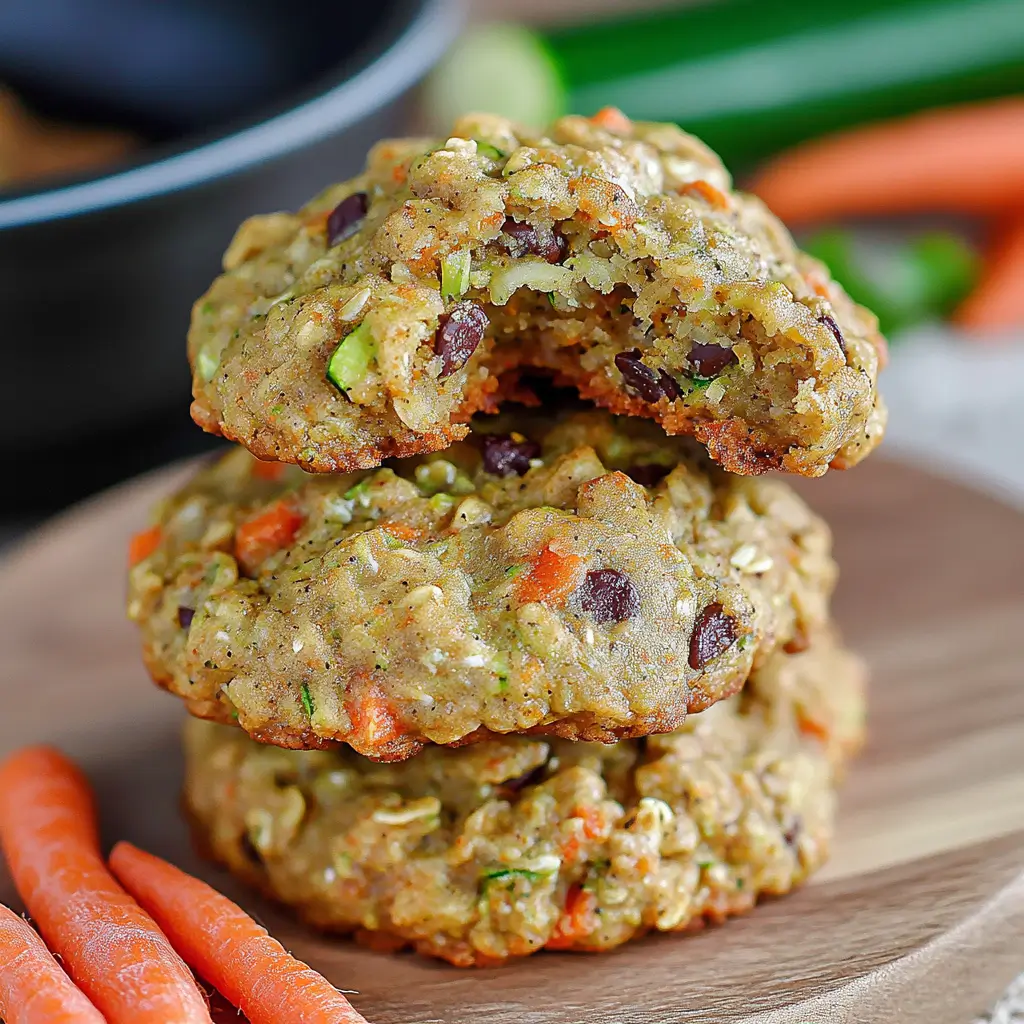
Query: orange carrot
x=613 y=120
x=592 y=827
x=113 y=951
x=593 y=821
x=373 y=721
x=967 y=159
x=228 y=948
x=33 y=988
x=551 y=578
x=997 y=302
x=143 y=544
x=258 y=538
x=719 y=200
x=271 y=471
x=577 y=921
x=810 y=727
x=402 y=531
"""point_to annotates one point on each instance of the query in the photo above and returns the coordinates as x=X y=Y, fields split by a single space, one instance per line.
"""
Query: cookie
x=376 y=320
x=580 y=575
x=517 y=844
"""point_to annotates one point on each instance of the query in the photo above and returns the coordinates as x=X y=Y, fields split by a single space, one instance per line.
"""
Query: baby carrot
x=228 y=948
x=33 y=988
x=965 y=159
x=113 y=951
x=997 y=302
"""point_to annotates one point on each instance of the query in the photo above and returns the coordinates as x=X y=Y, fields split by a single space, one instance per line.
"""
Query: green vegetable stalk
x=750 y=77
x=903 y=283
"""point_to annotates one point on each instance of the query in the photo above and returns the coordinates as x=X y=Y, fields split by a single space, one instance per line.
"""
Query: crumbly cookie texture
x=583 y=575
x=614 y=255
x=517 y=844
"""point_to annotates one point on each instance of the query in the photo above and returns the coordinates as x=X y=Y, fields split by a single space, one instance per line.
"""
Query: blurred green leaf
x=903 y=283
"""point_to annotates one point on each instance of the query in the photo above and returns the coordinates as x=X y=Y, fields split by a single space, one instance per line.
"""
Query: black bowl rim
x=384 y=75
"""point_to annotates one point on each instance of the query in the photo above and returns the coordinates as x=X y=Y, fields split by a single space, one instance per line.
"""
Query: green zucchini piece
x=488 y=878
x=352 y=358
x=749 y=77
x=478 y=70
x=455 y=274
x=206 y=364
x=488 y=150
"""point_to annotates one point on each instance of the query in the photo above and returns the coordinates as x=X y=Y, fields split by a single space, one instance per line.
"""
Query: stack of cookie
x=494 y=669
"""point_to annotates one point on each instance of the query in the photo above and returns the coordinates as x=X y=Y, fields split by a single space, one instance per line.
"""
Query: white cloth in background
x=958 y=408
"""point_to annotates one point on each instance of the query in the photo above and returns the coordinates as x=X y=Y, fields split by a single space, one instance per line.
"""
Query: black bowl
x=97 y=276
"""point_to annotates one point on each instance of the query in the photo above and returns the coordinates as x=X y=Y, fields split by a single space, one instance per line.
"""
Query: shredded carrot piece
x=570 y=849
x=592 y=828
x=143 y=544
x=373 y=721
x=33 y=988
x=613 y=120
x=718 y=199
x=427 y=260
x=226 y=946
x=112 y=950
x=271 y=471
x=593 y=821
x=551 y=578
x=809 y=727
x=260 y=537
x=402 y=531
x=817 y=283
x=317 y=221
x=577 y=921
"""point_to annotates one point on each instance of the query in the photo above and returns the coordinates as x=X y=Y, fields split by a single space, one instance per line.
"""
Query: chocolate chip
x=713 y=632
x=609 y=596
x=185 y=616
x=669 y=385
x=525 y=238
x=710 y=360
x=830 y=323
x=639 y=377
x=648 y=474
x=458 y=334
x=553 y=247
x=505 y=456
x=345 y=217
x=248 y=848
x=522 y=237
x=792 y=834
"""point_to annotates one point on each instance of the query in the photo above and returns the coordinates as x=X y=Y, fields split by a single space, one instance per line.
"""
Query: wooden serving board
x=919 y=917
